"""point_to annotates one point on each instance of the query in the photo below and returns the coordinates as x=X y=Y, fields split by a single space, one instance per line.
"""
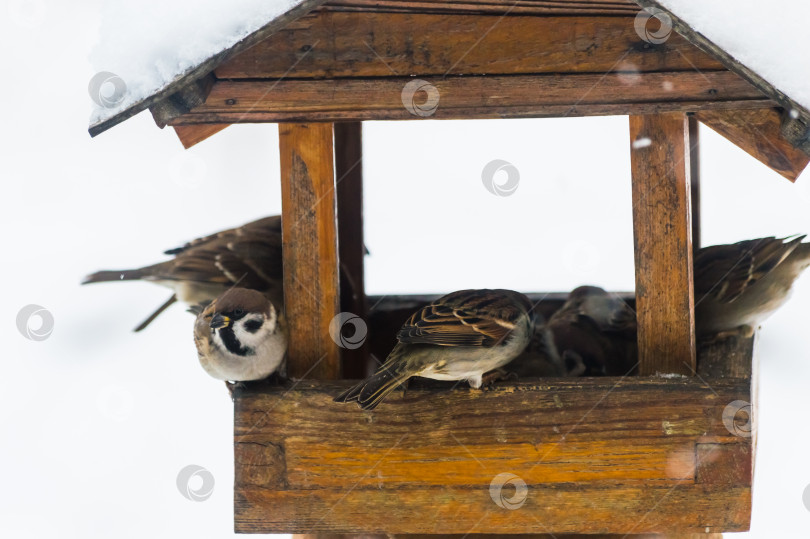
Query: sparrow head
x=239 y=336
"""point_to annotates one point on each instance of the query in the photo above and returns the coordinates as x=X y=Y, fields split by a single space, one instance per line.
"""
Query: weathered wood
x=335 y=45
x=204 y=68
x=349 y=184
x=800 y=112
x=663 y=244
x=597 y=455
x=516 y=96
x=310 y=248
x=500 y=7
x=190 y=135
x=727 y=358
x=187 y=97
x=759 y=132
x=795 y=129
x=694 y=179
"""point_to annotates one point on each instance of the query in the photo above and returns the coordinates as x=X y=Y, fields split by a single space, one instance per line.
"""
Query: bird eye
x=238 y=312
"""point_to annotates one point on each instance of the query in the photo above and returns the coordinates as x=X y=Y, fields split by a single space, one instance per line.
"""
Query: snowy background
x=97 y=422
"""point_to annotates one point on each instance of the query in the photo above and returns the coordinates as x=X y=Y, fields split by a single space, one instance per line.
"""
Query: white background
x=97 y=421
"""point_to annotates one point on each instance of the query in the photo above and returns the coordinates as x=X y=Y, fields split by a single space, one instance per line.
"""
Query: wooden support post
x=349 y=172
x=660 y=165
x=310 y=245
x=694 y=178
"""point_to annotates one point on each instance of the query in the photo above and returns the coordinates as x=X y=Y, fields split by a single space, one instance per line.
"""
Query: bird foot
x=497 y=375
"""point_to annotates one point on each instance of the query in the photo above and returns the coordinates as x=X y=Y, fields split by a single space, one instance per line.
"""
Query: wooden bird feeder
x=635 y=455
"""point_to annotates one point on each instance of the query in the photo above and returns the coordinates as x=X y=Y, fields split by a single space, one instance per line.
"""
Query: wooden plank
x=193 y=73
x=800 y=135
x=663 y=244
x=694 y=179
x=597 y=455
x=520 y=96
x=500 y=7
x=759 y=133
x=335 y=45
x=310 y=246
x=190 y=135
x=349 y=184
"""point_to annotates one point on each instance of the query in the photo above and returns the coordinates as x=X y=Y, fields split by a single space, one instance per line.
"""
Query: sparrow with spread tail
x=596 y=330
x=248 y=256
x=240 y=336
x=738 y=286
x=459 y=336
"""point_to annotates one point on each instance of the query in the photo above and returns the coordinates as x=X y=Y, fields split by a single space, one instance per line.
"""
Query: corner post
x=662 y=231
x=310 y=248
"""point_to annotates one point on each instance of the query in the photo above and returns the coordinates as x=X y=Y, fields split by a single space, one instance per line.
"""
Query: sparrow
x=240 y=336
x=248 y=256
x=738 y=286
x=593 y=334
x=459 y=336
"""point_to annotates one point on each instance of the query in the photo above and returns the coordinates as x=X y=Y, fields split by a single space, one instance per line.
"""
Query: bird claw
x=497 y=375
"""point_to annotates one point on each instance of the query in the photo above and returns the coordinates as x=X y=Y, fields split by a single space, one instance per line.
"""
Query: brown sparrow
x=248 y=256
x=738 y=286
x=595 y=333
x=459 y=336
x=240 y=336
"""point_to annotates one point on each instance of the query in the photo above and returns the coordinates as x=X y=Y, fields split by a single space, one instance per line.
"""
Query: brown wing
x=265 y=226
x=467 y=318
x=249 y=255
x=726 y=271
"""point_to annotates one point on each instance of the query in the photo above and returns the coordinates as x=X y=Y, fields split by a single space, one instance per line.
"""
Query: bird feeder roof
x=171 y=67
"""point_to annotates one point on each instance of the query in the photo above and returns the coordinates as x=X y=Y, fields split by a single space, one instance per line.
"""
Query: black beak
x=220 y=321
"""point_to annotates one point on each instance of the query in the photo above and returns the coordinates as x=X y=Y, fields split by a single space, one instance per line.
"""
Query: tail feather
x=113 y=275
x=370 y=392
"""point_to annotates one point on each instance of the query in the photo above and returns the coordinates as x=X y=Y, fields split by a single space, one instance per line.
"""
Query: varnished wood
x=663 y=243
x=310 y=247
x=190 y=135
x=349 y=184
x=337 y=45
x=601 y=455
x=798 y=138
x=694 y=179
x=759 y=132
x=500 y=7
x=516 y=96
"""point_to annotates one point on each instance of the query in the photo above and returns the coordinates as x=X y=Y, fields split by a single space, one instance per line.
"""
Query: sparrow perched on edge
x=738 y=286
x=459 y=336
x=240 y=336
x=596 y=330
x=248 y=256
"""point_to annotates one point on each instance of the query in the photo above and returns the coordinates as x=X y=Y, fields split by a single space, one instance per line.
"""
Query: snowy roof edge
x=801 y=114
x=208 y=65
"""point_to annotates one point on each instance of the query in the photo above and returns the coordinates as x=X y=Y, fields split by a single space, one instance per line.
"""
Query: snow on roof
x=146 y=45
x=770 y=38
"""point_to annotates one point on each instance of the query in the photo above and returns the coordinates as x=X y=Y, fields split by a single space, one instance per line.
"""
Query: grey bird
x=738 y=286
x=460 y=336
x=248 y=256
x=592 y=334
x=240 y=336
x=597 y=330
